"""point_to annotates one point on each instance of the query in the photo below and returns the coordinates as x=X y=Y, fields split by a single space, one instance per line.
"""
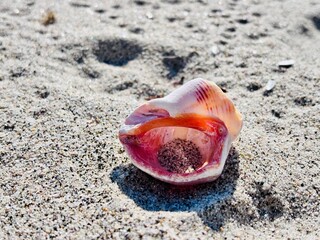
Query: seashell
x=185 y=137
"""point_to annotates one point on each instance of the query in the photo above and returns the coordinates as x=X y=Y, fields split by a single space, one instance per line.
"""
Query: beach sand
x=71 y=71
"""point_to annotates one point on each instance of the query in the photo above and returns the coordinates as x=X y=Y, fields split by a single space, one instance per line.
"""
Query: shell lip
x=131 y=135
x=190 y=120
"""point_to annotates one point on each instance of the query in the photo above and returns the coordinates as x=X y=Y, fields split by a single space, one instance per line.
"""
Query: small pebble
x=270 y=85
x=242 y=21
x=286 y=63
x=149 y=15
x=48 y=18
x=215 y=50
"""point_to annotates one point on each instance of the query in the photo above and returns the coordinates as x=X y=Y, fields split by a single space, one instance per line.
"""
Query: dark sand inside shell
x=180 y=156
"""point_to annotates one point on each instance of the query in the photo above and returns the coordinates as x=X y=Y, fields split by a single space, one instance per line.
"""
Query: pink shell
x=199 y=112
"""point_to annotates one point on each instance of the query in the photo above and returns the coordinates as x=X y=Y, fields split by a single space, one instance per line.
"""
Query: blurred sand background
x=71 y=71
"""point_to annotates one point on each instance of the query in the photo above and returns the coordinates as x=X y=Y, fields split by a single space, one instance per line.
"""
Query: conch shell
x=185 y=137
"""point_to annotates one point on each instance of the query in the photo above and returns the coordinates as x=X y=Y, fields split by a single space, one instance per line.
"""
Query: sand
x=71 y=71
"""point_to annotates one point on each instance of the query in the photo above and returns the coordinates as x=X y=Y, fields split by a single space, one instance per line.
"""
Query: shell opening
x=181 y=149
x=176 y=150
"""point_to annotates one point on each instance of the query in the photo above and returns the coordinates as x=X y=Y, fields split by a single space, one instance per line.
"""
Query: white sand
x=63 y=96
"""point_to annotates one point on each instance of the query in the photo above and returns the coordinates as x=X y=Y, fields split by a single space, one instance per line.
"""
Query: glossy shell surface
x=185 y=137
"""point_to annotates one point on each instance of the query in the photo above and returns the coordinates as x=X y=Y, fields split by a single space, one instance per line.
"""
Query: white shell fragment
x=270 y=85
x=286 y=63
